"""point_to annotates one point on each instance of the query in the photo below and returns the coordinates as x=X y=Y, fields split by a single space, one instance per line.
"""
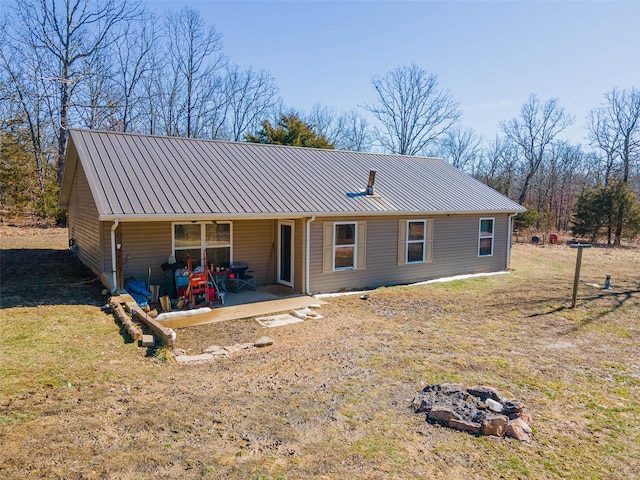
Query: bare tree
x=195 y=57
x=498 y=168
x=152 y=95
x=557 y=183
x=324 y=121
x=461 y=147
x=604 y=138
x=134 y=65
x=29 y=93
x=64 y=33
x=615 y=129
x=354 y=132
x=413 y=111
x=95 y=103
x=533 y=131
x=346 y=131
x=250 y=95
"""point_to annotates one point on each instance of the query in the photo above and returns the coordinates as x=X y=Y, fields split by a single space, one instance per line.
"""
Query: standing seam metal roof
x=144 y=175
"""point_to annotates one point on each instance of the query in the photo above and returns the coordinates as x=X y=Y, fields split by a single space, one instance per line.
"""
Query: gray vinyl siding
x=105 y=239
x=83 y=223
x=148 y=245
x=455 y=252
x=254 y=242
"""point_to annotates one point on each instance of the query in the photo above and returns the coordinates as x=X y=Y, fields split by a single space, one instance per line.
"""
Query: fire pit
x=479 y=410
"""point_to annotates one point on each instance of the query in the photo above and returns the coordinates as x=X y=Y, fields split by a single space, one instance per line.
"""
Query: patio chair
x=241 y=277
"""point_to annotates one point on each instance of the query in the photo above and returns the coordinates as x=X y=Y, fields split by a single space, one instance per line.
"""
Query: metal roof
x=134 y=176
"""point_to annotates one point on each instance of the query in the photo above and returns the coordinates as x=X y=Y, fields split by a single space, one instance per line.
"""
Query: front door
x=285 y=252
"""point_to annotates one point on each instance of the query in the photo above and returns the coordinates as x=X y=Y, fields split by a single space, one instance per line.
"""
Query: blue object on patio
x=138 y=290
x=240 y=277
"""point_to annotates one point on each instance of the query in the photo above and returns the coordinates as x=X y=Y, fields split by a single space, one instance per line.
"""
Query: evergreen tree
x=597 y=209
x=290 y=130
x=18 y=177
x=23 y=190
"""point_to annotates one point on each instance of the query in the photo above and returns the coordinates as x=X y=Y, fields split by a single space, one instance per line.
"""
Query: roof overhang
x=68 y=171
x=200 y=217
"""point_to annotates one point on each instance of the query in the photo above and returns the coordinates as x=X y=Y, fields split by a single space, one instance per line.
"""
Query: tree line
x=111 y=64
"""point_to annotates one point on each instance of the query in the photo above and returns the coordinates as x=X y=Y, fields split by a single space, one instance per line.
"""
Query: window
x=196 y=239
x=415 y=241
x=485 y=239
x=218 y=242
x=416 y=230
x=344 y=246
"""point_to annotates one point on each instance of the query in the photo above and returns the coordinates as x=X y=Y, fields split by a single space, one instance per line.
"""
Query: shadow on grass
x=32 y=277
x=126 y=338
x=619 y=299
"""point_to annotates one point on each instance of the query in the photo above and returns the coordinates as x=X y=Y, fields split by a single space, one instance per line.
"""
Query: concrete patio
x=243 y=304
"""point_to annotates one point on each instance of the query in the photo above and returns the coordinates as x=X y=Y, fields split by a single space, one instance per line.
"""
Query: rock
x=263 y=342
x=465 y=425
x=421 y=404
x=148 y=341
x=525 y=426
x=194 y=358
x=512 y=407
x=495 y=425
x=519 y=430
x=480 y=416
x=315 y=305
x=452 y=388
x=493 y=405
x=526 y=417
x=298 y=314
x=484 y=392
x=215 y=350
x=441 y=415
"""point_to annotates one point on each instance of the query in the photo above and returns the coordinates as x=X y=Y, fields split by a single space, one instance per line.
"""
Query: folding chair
x=241 y=278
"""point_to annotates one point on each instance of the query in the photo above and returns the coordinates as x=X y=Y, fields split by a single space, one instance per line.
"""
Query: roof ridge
x=267 y=145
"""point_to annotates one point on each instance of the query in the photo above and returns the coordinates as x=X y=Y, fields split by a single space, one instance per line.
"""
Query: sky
x=490 y=56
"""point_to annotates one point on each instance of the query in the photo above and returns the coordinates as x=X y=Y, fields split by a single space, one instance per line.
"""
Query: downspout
x=509 y=238
x=306 y=281
x=113 y=252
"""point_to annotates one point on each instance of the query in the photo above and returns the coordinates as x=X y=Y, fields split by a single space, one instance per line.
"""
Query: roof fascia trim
x=288 y=215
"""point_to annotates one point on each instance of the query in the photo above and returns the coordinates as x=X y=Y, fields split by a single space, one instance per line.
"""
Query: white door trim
x=291 y=224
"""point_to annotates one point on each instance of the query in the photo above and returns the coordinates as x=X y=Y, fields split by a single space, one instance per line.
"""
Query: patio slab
x=237 y=312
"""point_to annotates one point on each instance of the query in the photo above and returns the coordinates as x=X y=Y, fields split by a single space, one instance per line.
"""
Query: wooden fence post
x=576 y=277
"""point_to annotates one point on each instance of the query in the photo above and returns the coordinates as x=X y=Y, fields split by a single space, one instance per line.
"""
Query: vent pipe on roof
x=372 y=179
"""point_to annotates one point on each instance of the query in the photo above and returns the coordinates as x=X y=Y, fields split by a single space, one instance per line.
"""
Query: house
x=316 y=220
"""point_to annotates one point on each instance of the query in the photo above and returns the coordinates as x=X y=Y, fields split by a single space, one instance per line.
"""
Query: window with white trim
x=196 y=238
x=416 y=233
x=344 y=245
x=485 y=237
x=415 y=241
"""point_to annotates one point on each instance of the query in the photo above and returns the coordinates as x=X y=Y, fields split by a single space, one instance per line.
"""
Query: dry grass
x=330 y=399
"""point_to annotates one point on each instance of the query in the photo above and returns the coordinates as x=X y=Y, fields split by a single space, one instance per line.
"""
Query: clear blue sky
x=489 y=55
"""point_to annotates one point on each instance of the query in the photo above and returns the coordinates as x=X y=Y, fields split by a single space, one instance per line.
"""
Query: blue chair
x=241 y=277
